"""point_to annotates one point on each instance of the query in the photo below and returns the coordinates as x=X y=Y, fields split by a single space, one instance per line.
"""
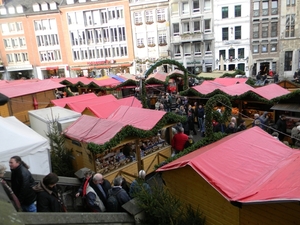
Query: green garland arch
x=212 y=114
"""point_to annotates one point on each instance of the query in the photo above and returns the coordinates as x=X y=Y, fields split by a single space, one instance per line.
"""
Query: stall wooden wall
x=191 y=188
x=187 y=185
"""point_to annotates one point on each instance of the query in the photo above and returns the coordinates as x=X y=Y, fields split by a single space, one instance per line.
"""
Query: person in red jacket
x=179 y=140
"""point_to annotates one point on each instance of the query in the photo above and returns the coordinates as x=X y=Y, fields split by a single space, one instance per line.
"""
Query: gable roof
x=271 y=91
x=247 y=167
x=63 y=101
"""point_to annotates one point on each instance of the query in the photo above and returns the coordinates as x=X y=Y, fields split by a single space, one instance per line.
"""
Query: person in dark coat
x=119 y=192
x=22 y=183
x=242 y=126
x=48 y=198
x=281 y=127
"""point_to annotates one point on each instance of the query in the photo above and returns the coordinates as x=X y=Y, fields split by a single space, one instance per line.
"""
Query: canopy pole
x=138 y=155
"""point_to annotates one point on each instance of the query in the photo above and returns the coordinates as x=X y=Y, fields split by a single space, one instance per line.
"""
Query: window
x=140 y=39
x=10 y=58
x=256 y=9
x=162 y=38
x=149 y=16
x=150 y=39
x=196 y=26
x=207 y=5
x=231 y=53
x=113 y=34
x=50 y=55
x=185 y=8
x=122 y=33
x=196 y=6
x=18 y=57
x=25 y=57
x=161 y=15
x=208 y=48
x=290 y=2
x=256 y=30
x=197 y=46
x=224 y=12
x=290 y=25
x=264 y=30
x=238 y=33
x=174 y=8
x=222 y=53
x=273 y=47
x=187 y=49
x=274 y=7
x=175 y=29
x=241 y=54
x=138 y=18
x=12 y=27
x=4 y=28
x=177 y=52
x=186 y=27
x=255 y=49
x=104 y=17
x=241 y=66
x=15 y=42
x=207 y=26
x=19 y=26
x=7 y=43
x=288 y=58
x=237 y=11
x=274 y=29
x=265 y=8
x=264 y=48
x=224 y=33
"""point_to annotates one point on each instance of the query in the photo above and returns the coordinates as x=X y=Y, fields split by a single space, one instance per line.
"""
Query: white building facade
x=232 y=35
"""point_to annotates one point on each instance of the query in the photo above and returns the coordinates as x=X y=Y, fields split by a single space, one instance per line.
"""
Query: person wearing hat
x=139 y=184
x=48 y=198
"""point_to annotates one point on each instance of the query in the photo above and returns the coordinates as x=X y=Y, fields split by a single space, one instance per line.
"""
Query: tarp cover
x=91 y=129
x=18 y=139
x=63 y=101
x=249 y=166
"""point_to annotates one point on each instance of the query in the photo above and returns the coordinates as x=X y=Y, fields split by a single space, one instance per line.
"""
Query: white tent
x=18 y=139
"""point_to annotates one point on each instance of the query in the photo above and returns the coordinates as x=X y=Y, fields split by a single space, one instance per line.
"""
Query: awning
x=18 y=68
x=291 y=107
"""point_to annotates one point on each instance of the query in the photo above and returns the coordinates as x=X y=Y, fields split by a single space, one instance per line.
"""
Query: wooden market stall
x=241 y=183
x=129 y=140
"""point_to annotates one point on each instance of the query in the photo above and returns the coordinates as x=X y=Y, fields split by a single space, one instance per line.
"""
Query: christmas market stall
x=245 y=178
x=127 y=141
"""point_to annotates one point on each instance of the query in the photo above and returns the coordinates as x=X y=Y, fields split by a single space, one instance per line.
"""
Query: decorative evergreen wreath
x=211 y=114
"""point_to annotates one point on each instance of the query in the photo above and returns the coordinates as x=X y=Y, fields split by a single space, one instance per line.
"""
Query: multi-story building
x=150 y=31
x=232 y=37
x=192 y=34
x=43 y=40
x=289 y=38
x=265 y=20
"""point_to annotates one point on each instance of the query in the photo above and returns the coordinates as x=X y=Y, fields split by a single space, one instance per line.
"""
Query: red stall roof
x=271 y=91
x=207 y=87
x=109 y=82
x=92 y=129
x=248 y=167
x=227 y=81
x=75 y=80
x=26 y=87
x=238 y=89
x=159 y=76
x=63 y=101
x=104 y=110
x=130 y=101
x=79 y=106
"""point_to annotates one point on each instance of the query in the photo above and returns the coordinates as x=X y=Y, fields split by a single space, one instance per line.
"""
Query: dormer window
x=69 y=2
x=3 y=11
x=11 y=10
x=36 y=7
x=53 y=5
x=45 y=6
x=20 y=9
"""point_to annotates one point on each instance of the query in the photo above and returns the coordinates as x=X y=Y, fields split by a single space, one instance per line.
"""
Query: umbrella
x=221 y=63
x=80 y=173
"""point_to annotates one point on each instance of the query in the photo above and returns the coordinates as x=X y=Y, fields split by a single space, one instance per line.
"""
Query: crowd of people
x=98 y=195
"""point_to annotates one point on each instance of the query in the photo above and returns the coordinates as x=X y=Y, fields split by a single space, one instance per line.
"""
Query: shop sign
x=98 y=62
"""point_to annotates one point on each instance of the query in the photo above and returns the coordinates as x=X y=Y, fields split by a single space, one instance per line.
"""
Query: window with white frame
x=274 y=7
x=107 y=51
x=162 y=37
x=208 y=48
x=264 y=48
x=114 y=34
x=207 y=26
x=15 y=42
x=255 y=48
x=186 y=27
x=290 y=25
x=187 y=49
x=161 y=15
x=241 y=53
x=53 y=55
x=207 y=5
x=290 y=2
x=265 y=8
x=53 y=5
x=224 y=33
x=176 y=29
x=22 y=41
x=138 y=18
x=11 y=10
x=256 y=9
x=19 y=9
x=224 y=12
x=45 y=6
x=7 y=43
x=96 y=17
x=174 y=8
x=115 y=51
x=18 y=57
x=185 y=8
x=177 y=51
x=76 y=54
x=150 y=38
x=36 y=7
x=19 y=26
x=38 y=25
x=12 y=27
x=91 y=53
x=196 y=6
x=104 y=17
x=25 y=57
x=87 y=15
x=99 y=53
x=238 y=32
x=197 y=46
x=123 y=50
x=45 y=25
x=122 y=33
x=140 y=39
x=149 y=16
x=10 y=58
x=84 y=53
x=4 y=28
x=3 y=11
x=237 y=11
x=196 y=26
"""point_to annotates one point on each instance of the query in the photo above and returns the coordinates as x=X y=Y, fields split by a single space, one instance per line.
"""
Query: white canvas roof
x=17 y=138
